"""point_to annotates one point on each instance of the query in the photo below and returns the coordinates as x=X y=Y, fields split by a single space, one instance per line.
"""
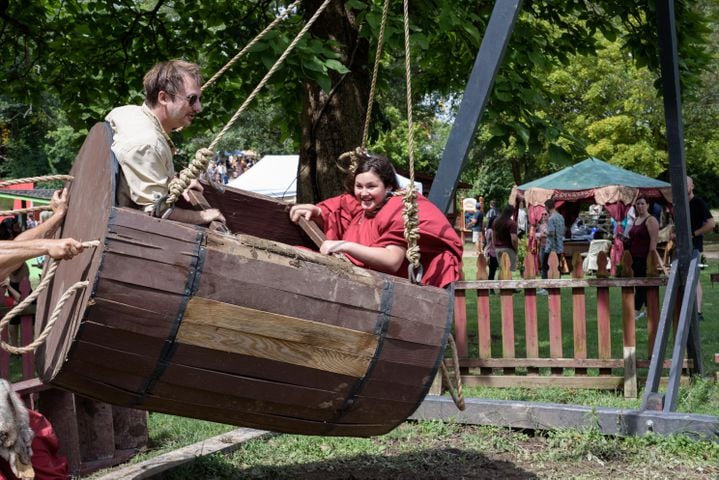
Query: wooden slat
x=507 y=381
x=262 y=368
x=295 y=341
x=579 y=313
x=604 y=332
x=460 y=323
x=218 y=315
x=653 y=270
x=530 y=312
x=629 y=331
x=561 y=283
x=507 y=312
x=484 y=335
x=554 y=302
x=555 y=362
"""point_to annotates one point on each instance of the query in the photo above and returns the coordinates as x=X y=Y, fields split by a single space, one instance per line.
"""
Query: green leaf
x=336 y=66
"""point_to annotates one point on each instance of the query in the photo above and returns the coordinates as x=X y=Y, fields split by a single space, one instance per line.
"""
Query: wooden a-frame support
x=684 y=274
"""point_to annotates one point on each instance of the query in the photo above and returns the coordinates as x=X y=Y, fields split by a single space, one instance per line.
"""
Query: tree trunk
x=332 y=122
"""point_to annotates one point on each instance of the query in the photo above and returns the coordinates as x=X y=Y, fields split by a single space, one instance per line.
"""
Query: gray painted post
x=479 y=86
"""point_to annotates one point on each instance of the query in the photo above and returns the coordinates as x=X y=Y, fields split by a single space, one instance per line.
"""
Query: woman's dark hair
x=377 y=164
x=501 y=225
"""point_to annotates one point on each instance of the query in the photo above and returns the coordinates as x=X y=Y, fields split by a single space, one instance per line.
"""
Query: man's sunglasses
x=191 y=99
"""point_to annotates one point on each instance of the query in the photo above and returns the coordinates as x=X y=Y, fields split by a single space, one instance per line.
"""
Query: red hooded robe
x=439 y=245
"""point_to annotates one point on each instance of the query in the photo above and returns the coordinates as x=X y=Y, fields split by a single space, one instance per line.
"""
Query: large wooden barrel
x=244 y=329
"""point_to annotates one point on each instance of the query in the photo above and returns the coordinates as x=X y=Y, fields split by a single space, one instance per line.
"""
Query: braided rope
x=20 y=211
x=49 y=274
x=409 y=214
x=456 y=393
x=254 y=42
x=179 y=184
x=375 y=73
x=197 y=166
x=46 y=178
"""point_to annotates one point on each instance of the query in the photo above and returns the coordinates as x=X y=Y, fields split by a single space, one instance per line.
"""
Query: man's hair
x=549 y=204
x=169 y=76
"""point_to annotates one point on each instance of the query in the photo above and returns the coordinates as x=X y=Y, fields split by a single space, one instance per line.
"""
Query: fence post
x=507 y=308
x=579 y=314
x=484 y=334
x=555 y=313
x=604 y=331
x=530 y=314
x=460 y=320
x=630 y=338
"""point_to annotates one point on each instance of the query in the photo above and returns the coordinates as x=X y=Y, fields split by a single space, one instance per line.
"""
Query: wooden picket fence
x=515 y=361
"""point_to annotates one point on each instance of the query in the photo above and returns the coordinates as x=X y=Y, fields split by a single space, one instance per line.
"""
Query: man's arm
x=14 y=252
x=48 y=228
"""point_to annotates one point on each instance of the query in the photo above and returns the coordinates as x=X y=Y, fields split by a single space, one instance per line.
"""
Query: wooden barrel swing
x=243 y=329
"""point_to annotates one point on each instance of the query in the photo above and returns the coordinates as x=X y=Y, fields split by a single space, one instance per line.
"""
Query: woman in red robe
x=367 y=226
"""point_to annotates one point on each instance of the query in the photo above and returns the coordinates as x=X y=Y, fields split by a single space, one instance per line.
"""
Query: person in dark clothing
x=701 y=222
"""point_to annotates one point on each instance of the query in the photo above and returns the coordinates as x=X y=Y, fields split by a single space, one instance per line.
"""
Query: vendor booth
x=591 y=182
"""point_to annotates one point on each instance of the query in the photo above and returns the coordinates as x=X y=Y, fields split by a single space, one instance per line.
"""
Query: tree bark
x=332 y=122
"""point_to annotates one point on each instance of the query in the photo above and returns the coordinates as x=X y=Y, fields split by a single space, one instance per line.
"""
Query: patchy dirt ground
x=465 y=453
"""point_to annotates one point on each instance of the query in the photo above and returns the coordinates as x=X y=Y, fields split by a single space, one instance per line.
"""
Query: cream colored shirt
x=144 y=151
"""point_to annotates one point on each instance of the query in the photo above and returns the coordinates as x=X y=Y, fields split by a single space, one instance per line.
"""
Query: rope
x=46 y=178
x=456 y=393
x=242 y=52
x=20 y=211
x=375 y=73
x=348 y=161
x=180 y=183
x=49 y=274
x=409 y=214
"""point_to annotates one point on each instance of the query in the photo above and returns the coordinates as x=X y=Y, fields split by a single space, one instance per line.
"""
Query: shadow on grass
x=445 y=463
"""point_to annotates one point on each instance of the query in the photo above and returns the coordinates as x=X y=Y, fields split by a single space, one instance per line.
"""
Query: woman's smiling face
x=370 y=191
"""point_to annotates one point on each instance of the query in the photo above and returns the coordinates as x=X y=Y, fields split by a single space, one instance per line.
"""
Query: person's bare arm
x=307 y=211
x=706 y=228
x=48 y=228
x=14 y=252
x=653 y=229
x=385 y=259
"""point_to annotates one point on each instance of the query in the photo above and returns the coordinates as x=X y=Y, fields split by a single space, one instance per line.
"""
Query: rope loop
x=455 y=390
x=348 y=161
x=17 y=309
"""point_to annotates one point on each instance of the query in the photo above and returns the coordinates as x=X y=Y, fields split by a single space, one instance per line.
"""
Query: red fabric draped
x=440 y=247
x=46 y=462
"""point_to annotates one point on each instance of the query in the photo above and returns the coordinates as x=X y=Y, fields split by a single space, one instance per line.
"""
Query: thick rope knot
x=411 y=224
x=348 y=161
x=197 y=166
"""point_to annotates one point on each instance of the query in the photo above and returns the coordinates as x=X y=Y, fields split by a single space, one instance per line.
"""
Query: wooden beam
x=533 y=381
x=223 y=443
x=560 y=283
x=545 y=416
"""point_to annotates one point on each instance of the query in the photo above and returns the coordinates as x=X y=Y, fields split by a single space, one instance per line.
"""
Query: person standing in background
x=701 y=222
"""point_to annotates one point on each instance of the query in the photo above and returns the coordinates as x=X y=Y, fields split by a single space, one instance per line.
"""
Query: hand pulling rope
x=199 y=164
x=17 y=309
x=19 y=181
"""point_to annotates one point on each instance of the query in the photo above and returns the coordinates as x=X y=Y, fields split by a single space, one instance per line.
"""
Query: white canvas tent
x=276 y=176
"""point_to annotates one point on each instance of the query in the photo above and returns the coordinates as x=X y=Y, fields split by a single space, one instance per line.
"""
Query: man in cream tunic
x=142 y=143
